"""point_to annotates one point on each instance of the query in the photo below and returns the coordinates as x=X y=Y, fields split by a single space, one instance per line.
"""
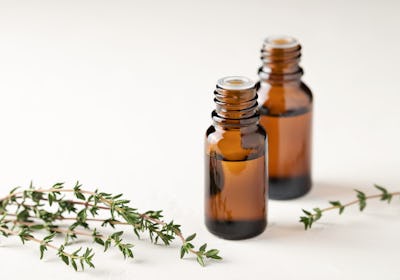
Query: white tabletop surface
x=118 y=95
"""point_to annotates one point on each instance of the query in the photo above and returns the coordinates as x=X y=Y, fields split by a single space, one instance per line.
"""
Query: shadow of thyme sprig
x=312 y=216
x=25 y=212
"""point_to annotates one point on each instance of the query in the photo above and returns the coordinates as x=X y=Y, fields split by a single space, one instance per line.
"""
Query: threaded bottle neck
x=280 y=56
x=236 y=102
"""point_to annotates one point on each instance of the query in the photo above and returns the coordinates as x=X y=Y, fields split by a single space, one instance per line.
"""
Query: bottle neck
x=280 y=57
x=235 y=108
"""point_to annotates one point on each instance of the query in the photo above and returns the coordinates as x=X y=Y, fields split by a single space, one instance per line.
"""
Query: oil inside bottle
x=290 y=158
x=235 y=197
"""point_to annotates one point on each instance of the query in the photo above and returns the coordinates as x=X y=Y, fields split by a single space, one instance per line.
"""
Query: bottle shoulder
x=284 y=98
x=236 y=144
x=218 y=134
x=307 y=91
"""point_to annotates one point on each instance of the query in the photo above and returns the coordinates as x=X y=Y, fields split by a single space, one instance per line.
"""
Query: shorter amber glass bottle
x=235 y=163
x=286 y=114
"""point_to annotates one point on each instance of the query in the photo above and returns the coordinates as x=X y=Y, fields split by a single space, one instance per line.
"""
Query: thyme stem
x=314 y=215
x=89 y=202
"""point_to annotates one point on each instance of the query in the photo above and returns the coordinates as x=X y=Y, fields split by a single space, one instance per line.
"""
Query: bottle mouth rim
x=280 y=42
x=235 y=83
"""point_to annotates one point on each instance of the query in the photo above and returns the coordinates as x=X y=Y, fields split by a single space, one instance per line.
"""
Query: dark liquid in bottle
x=289 y=142
x=235 y=197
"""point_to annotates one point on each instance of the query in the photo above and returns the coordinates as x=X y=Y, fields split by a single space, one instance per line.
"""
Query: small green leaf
x=80 y=196
x=74 y=264
x=203 y=247
x=306 y=221
x=50 y=198
x=382 y=189
x=14 y=189
x=107 y=245
x=361 y=200
x=190 y=238
x=200 y=260
x=50 y=237
x=99 y=241
x=216 y=257
x=42 y=249
x=77 y=251
x=335 y=203
x=23 y=215
x=37 y=227
x=59 y=185
x=65 y=259
x=183 y=251
x=136 y=233
x=318 y=214
x=212 y=252
x=89 y=262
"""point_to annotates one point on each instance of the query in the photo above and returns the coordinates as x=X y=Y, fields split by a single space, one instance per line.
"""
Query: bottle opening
x=235 y=83
x=281 y=42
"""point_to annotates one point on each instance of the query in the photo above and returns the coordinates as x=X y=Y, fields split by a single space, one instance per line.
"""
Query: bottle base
x=282 y=188
x=236 y=230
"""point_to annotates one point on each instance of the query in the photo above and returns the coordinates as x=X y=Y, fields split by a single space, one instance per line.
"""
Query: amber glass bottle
x=286 y=114
x=235 y=163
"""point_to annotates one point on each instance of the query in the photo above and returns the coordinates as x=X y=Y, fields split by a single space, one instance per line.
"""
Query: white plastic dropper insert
x=235 y=83
x=280 y=42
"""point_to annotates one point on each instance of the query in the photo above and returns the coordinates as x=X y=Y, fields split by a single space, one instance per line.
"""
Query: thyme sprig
x=25 y=212
x=315 y=214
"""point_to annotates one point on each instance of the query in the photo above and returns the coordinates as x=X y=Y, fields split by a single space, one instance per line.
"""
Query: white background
x=118 y=95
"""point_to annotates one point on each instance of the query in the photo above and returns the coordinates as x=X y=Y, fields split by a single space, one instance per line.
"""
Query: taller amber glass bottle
x=235 y=163
x=286 y=114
